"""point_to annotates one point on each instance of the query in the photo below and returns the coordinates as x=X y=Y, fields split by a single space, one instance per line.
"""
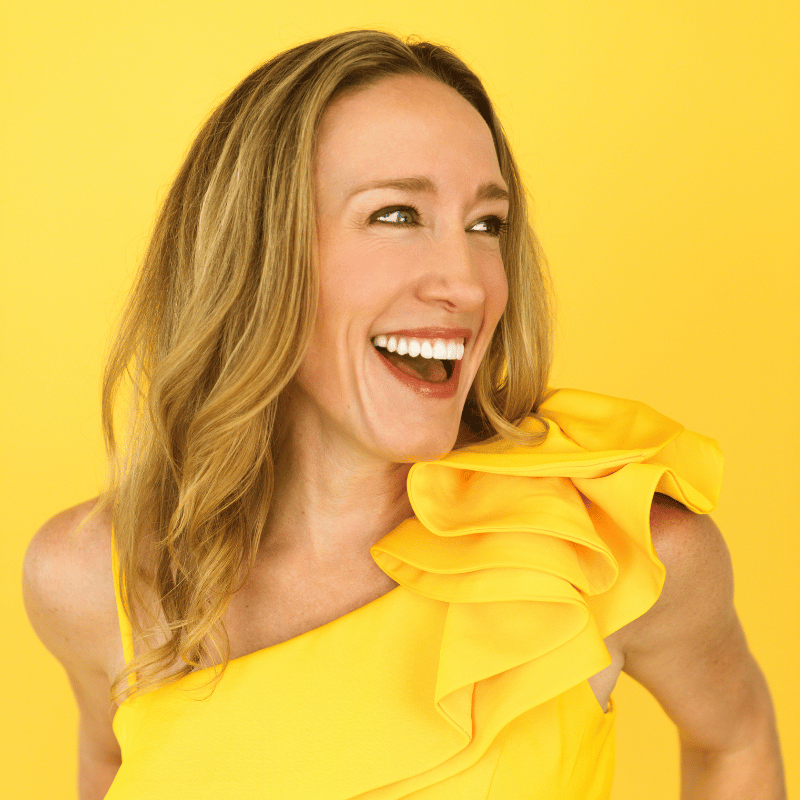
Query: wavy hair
x=218 y=322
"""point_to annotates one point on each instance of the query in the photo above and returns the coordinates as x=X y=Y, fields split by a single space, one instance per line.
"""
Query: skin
x=350 y=432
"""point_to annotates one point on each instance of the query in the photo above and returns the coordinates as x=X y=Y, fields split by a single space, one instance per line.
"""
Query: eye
x=400 y=215
x=494 y=226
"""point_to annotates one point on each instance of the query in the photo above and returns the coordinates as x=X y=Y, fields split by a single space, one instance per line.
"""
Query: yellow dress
x=468 y=679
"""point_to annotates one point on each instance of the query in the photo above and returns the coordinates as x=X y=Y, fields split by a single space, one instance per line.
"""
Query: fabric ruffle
x=541 y=552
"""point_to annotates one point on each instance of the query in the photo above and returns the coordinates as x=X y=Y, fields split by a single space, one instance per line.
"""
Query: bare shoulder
x=68 y=587
x=685 y=541
x=697 y=597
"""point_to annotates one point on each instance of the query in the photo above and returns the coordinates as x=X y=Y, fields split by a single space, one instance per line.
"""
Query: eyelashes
x=408 y=216
x=494 y=225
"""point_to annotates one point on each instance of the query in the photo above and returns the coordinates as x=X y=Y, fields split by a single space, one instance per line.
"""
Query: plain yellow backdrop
x=659 y=143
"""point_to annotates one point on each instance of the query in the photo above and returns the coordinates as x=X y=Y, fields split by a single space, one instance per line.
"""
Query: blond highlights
x=218 y=322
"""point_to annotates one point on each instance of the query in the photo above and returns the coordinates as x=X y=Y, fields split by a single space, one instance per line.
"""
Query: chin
x=423 y=447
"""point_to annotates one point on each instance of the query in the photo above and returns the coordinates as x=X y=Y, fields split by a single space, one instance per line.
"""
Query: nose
x=454 y=275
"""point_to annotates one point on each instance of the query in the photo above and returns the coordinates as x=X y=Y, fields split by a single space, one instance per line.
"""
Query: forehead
x=404 y=125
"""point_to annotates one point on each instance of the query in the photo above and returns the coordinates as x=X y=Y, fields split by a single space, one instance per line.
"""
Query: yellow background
x=659 y=142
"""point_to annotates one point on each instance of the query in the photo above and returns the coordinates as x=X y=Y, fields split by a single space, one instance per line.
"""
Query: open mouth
x=430 y=362
x=432 y=370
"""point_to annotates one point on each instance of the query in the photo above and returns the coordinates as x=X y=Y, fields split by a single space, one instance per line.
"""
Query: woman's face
x=409 y=203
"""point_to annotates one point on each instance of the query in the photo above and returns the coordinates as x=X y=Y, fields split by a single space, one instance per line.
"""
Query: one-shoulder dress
x=469 y=679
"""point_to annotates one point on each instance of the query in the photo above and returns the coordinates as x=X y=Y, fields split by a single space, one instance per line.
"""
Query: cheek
x=353 y=289
x=353 y=272
x=342 y=279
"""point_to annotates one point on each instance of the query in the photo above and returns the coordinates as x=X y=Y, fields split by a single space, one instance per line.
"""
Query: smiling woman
x=416 y=259
x=353 y=546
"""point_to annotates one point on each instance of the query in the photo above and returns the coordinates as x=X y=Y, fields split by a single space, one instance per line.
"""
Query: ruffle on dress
x=541 y=552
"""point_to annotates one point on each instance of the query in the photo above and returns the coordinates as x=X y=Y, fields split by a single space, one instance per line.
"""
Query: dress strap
x=124 y=619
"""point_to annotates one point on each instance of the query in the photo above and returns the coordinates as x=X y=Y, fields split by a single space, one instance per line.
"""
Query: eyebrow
x=422 y=184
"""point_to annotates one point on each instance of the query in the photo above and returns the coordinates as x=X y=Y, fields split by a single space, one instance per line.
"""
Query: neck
x=331 y=504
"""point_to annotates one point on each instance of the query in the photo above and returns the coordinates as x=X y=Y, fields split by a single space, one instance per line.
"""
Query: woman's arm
x=690 y=652
x=69 y=596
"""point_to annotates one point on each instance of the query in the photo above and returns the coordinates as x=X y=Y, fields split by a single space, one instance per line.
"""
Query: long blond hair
x=219 y=320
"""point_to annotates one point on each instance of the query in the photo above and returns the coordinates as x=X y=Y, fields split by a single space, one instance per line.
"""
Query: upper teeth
x=450 y=349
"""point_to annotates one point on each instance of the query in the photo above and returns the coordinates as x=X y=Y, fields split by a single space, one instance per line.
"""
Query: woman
x=358 y=548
